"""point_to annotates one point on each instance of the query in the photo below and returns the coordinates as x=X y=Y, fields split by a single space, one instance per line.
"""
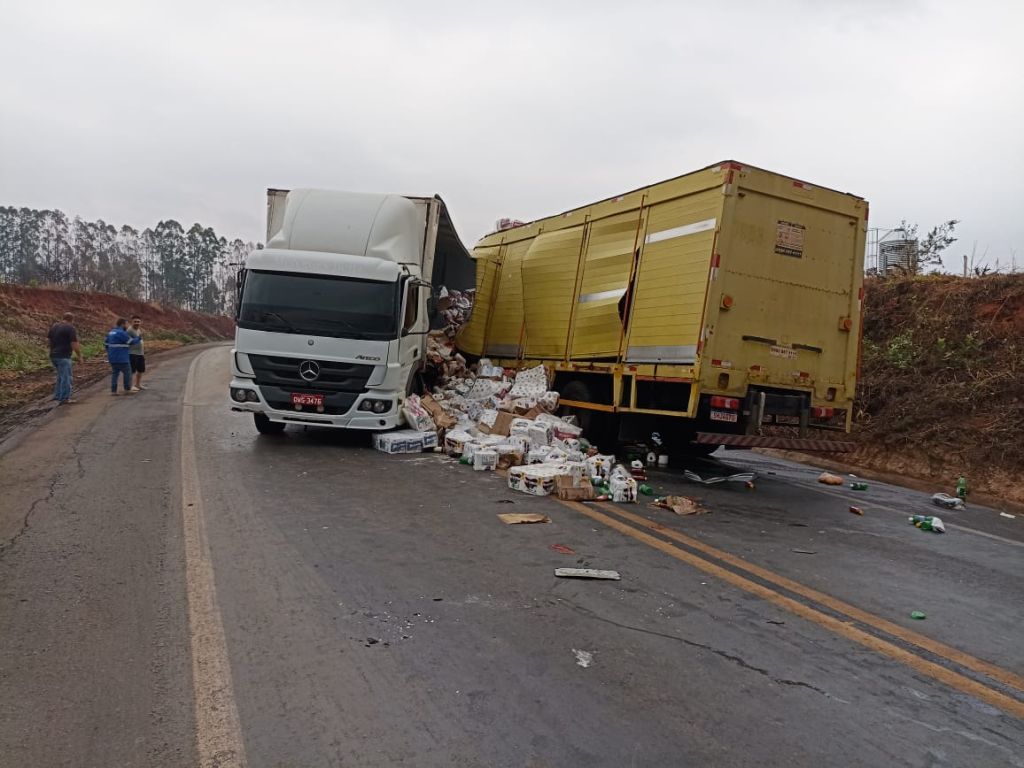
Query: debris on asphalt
x=928 y=523
x=739 y=477
x=405 y=441
x=828 y=478
x=857 y=511
x=568 y=488
x=1006 y=514
x=513 y=518
x=804 y=551
x=417 y=416
x=858 y=486
x=562 y=549
x=493 y=418
x=681 y=505
x=586 y=573
x=917 y=615
x=583 y=658
x=947 y=501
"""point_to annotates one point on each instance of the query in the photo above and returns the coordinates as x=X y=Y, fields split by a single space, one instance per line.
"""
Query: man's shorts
x=138 y=363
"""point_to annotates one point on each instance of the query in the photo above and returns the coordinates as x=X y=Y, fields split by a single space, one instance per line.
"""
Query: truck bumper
x=354 y=419
x=770 y=441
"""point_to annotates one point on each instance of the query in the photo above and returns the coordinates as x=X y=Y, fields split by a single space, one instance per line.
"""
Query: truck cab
x=332 y=315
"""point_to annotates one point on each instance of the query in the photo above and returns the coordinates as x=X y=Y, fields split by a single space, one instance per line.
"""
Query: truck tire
x=599 y=428
x=265 y=426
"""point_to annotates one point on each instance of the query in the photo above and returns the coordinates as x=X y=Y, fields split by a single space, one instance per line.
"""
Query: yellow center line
x=907 y=635
x=936 y=671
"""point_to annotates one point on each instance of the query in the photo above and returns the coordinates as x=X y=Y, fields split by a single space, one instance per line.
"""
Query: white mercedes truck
x=332 y=316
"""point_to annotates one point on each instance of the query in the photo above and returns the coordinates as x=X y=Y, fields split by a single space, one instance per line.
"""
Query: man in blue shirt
x=118 y=344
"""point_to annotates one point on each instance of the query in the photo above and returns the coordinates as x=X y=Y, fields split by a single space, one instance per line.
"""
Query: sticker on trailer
x=723 y=416
x=789 y=239
x=784 y=352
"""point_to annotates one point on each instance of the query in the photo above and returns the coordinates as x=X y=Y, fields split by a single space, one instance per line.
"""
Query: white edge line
x=218 y=729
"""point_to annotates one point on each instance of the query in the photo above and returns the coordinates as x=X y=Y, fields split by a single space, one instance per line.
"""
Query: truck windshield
x=319 y=305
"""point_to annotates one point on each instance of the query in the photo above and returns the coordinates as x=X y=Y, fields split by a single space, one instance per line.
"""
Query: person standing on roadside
x=118 y=344
x=63 y=344
x=136 y=355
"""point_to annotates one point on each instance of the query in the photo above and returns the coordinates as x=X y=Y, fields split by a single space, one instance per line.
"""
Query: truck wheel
x=265 y=426
x=599 y=428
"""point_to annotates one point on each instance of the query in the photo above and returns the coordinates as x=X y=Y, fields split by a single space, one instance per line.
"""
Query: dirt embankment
x=26 y=314
x=942 y=382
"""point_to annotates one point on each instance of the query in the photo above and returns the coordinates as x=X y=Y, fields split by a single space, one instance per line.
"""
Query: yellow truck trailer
x=705 y=307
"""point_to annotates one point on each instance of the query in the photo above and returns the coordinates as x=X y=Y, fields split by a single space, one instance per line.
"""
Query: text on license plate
x=304 y=399
x=723 y=416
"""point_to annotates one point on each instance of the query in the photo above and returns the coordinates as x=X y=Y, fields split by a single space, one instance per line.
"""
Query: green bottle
x=961 y=488
x=928 y=523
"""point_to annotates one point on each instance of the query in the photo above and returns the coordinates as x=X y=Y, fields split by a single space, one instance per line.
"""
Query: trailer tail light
x=726 y=301
x=822 y=413
x=726 y=403
x=845 y=324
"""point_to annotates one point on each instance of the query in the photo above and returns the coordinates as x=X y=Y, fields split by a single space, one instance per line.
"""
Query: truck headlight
x=240 y=395
x=375 y=406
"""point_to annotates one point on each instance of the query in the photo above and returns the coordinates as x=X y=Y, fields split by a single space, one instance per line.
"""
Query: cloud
x=139 y=111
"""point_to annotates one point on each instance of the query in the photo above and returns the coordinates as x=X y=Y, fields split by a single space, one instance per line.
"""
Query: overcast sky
x=137 y=111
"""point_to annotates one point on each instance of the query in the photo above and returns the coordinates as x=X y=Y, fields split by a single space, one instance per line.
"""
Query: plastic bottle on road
x=928 y=523
x=961 y=488
x=947 y=501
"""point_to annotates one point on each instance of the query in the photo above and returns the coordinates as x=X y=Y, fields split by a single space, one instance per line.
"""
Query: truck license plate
x=304 y=399
x=793 y=420
x=723 y=416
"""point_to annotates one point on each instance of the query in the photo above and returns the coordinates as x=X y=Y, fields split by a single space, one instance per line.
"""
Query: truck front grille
x=334 y=377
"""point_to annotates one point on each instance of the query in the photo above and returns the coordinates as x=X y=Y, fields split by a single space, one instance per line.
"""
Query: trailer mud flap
x=769 y=441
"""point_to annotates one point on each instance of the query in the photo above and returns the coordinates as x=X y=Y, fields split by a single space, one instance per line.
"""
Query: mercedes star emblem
x=309 y=370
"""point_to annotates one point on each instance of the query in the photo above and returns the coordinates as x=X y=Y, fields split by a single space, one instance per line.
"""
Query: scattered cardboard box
x=513 y=518
x=441 y=417
x=502 y=424
x=567 y=489
x=681 y=505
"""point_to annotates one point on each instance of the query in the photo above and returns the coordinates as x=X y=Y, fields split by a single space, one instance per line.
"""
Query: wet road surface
x=185 y=592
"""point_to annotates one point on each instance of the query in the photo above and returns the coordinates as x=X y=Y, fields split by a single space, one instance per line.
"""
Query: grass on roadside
x=21 y=353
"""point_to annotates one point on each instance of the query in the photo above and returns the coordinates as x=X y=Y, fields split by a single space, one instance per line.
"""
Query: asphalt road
x=176 y=590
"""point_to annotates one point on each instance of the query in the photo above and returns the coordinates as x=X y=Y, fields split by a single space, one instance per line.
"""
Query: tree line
x=192 y=268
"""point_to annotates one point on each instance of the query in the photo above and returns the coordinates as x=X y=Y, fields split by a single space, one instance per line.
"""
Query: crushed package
x=405 y=441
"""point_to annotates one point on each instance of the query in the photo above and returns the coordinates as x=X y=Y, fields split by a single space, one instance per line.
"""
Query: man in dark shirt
x=63 y=344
